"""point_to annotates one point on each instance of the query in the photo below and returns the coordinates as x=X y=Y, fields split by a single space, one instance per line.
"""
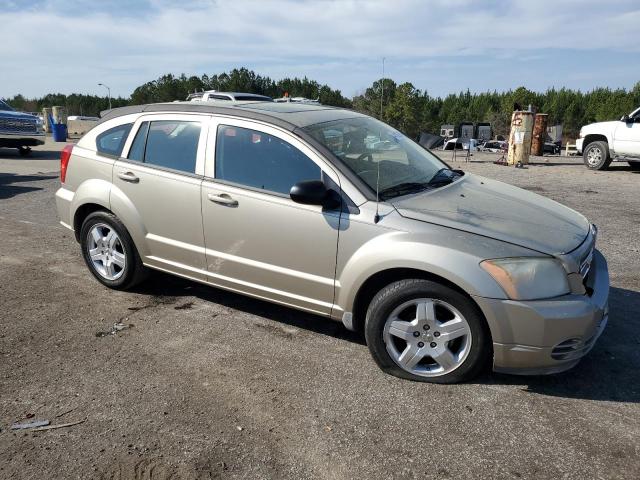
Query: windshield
x=5 y=107
x=366 y=144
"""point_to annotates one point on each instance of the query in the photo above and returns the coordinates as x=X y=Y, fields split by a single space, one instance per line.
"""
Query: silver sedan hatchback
x=333 y=212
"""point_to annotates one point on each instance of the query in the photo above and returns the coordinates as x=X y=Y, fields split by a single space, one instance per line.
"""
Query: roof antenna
x=376 y=218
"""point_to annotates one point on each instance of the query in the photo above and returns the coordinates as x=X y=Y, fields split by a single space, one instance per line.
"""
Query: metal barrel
x=520 y=137
x=539 y=134
x=46 y=113
x=59 y=114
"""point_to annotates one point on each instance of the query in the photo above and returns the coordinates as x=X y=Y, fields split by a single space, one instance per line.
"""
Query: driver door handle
x=222 y=199
x=128 y=177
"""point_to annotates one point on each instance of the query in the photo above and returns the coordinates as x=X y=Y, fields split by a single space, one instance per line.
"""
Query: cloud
x=65 y=45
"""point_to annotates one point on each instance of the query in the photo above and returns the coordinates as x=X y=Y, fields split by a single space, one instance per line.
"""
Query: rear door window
x=111 y=142
x=167 y=143
x=259 y=160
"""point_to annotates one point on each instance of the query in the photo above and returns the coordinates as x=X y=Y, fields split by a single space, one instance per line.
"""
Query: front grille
x=18 y=125
x=585 y=265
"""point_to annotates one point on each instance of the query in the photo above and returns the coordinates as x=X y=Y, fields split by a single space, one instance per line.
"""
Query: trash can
x=59 y=131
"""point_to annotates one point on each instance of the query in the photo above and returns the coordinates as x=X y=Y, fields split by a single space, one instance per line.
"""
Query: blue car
x=19 y=130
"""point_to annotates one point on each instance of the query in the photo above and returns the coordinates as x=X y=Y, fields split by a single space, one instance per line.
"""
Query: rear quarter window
x=111 y=142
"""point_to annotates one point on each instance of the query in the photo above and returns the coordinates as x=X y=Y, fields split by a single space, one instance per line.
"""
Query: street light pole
x=108 y=93
x=382 y=95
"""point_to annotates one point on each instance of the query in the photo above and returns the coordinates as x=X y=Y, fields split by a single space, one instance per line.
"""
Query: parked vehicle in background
x=81 y=118
x=493 y=146
x=455 y=144
x=333 y=212
x=551 y=148
x=214 y=95
x=298 y=100
x=19 y=130
x=603 y=142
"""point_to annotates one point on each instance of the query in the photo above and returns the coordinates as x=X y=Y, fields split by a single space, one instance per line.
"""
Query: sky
x=441 y=46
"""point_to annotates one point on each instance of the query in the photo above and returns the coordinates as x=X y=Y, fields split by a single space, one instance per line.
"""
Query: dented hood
x=494 y=209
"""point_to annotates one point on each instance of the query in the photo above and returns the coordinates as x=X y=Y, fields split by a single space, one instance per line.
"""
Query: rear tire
x=596 y=156
x=449 y=342
x=109 y=251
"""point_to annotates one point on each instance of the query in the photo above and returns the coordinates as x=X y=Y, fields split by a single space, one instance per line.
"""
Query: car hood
x=599 y=126
x=9 y=114
x=494 y=209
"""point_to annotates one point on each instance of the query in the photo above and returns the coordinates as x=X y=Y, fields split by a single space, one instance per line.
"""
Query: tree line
x=403 y=106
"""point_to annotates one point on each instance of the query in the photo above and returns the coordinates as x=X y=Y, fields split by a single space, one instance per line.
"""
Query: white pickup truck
x=600 y=143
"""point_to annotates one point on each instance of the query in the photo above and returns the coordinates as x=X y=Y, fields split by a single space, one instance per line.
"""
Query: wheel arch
x=82 y=212
x=376 y=282
x=595 y=137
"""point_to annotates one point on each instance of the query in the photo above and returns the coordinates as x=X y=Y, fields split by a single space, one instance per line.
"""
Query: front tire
x=596 y=156
x=424 y=331
x=109 y=251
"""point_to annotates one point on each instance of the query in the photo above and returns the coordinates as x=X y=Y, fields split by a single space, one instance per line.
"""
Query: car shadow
x=164 y=286
x=608 y=373
x=9 y=190
x=8 y=153
x=621 y=168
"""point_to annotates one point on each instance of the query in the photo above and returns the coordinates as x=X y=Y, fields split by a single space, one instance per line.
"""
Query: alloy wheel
x=427 y=337
x=106 y=251
x=594 y=156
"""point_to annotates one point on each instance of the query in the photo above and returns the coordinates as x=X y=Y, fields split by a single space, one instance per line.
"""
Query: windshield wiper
x=404 y=188
x=444 y=176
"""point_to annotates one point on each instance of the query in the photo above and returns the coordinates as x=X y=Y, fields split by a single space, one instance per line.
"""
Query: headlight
x=581 y=135
x=528 y=278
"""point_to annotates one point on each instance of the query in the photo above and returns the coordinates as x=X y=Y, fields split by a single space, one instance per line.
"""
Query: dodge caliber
x=333 y=212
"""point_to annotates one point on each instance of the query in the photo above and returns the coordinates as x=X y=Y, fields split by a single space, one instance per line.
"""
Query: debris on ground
x=184 y=306
x=117 y=327
x=33 y=424
x=59 y=425
x=64 y=413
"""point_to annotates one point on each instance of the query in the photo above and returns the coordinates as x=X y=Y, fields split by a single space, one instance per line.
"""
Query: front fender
x=455 y=259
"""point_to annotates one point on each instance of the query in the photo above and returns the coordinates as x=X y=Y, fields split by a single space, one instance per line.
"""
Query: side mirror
x=314 y=192
x=626 y=119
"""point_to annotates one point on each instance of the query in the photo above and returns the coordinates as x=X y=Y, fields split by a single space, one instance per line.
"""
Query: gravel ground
x=207 y=384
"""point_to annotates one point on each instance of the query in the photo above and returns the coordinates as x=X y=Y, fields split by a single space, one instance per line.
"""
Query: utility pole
x=108 y=93
x=382 y=94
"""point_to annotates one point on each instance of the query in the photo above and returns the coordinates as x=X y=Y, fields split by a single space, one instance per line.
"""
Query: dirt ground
x=207 y=384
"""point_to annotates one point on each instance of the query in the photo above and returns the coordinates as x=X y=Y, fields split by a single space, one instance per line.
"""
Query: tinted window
x=172 y=144
x=259 y=160
x=136 y=152
x=112 y=141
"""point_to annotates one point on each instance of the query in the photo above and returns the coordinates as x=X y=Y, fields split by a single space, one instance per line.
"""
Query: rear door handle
x=222 y=199
x=128 y=177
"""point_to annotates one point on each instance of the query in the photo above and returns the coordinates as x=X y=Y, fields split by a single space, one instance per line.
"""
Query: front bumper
x=579 y=143
x=16 y=140
x=548 y=336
